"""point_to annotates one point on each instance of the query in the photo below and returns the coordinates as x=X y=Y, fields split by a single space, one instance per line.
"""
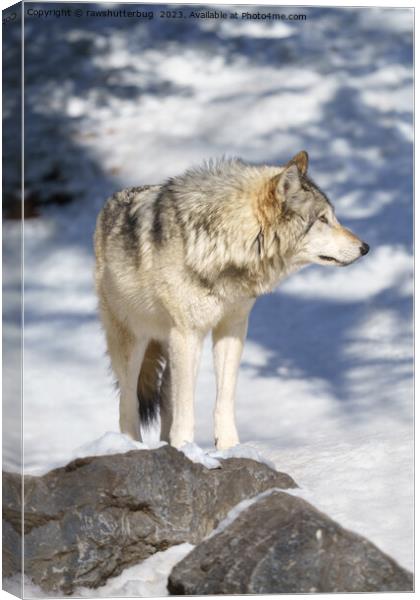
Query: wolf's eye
x=323 y=219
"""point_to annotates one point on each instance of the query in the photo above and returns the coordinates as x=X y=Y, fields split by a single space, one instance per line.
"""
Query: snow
x=111 y=442
x=147 y=579
x=364 y=483
x=325 y=389
x=198 y=455
x=243 y=451
x=209 y=458
x=115 y=442
x=238 y=509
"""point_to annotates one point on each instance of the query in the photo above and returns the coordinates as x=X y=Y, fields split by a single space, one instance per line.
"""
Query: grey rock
x=86 y=522
x=282 y=544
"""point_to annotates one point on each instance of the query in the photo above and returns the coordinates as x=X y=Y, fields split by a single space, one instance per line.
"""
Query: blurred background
x=325 y=389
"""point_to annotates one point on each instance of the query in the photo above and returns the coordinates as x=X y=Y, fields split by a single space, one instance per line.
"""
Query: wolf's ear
x=301 y=160
x=288 y=182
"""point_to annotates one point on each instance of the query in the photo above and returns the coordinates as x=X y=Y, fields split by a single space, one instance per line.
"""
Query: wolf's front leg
x=228 y=341
x=184 y=355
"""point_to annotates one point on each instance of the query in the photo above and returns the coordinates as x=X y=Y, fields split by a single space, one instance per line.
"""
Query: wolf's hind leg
x=129 y=403
x=228 y=341
x=126 y=353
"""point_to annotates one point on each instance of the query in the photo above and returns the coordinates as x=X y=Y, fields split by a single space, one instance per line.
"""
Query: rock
x=89 y=520
x=282 y=544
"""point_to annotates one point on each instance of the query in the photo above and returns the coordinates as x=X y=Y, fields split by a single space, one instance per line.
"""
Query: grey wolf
x=178 y=260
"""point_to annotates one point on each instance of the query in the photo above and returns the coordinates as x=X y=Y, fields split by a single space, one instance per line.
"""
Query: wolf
x=190 y=256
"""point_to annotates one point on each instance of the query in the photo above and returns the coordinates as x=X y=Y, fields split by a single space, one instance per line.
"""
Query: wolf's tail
x=150 y=382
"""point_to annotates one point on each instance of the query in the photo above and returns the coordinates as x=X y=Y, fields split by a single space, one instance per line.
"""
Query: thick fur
x=178 y=260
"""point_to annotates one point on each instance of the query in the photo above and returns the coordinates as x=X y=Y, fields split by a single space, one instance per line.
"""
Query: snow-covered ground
x=325 y=389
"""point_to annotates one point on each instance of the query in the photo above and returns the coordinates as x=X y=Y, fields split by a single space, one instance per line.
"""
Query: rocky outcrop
x=86 y=522
x=282 y=544
x=89 y=520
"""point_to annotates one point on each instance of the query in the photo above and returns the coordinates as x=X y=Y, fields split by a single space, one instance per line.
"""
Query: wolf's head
x=322 y=240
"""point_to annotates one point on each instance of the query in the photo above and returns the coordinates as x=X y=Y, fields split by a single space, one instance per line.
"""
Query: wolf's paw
x=224 y=442
x=180 y=438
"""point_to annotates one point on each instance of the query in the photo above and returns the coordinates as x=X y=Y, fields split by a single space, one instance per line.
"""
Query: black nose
x=364 y=248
